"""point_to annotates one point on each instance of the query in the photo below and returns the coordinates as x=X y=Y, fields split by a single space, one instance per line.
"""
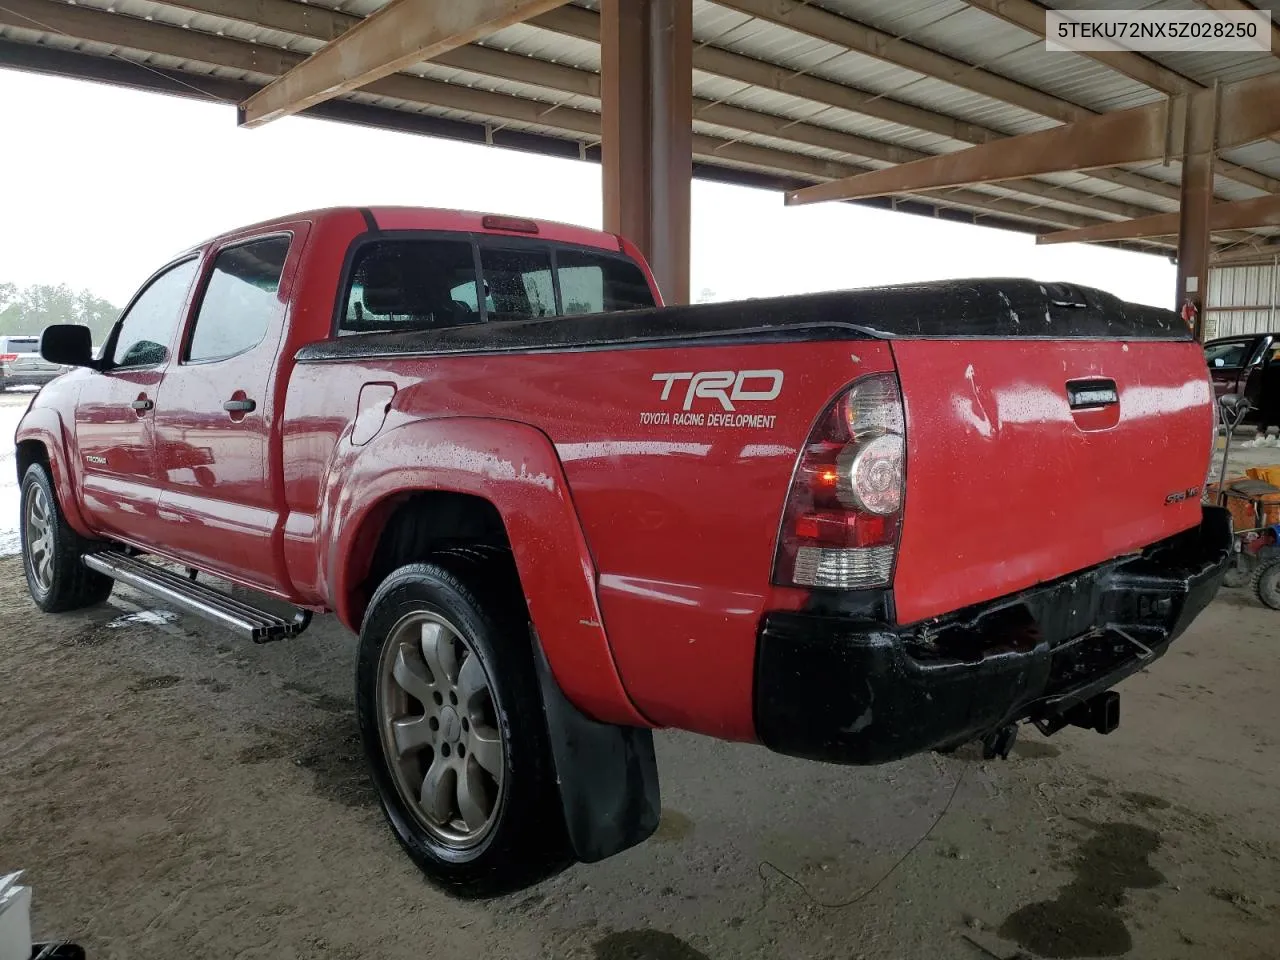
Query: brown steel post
x=646 y=79
x=1199 y=146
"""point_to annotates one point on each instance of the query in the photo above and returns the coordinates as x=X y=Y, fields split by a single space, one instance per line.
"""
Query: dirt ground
x=172 y=793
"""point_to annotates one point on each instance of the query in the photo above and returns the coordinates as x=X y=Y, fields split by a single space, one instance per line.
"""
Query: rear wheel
x=1266 y=584
x=452 y=723
x=51 y=551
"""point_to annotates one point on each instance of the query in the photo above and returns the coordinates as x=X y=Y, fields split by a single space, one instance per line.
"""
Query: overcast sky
x=102 y=185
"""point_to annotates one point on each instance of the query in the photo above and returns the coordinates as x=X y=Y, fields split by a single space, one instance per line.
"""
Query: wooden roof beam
x=1247 y=110
x=821 y=24
x=1241 y=215
x=1261 y=251
x=84 y=23
x=1242 y=7
x=318 y=23
x=402 y=33
x=1030 y=16
x=289 y=16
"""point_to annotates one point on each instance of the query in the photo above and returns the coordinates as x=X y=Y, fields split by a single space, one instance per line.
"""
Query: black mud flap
x=608 y=774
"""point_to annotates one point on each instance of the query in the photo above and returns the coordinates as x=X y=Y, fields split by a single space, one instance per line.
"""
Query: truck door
x=1228 y=362
x=220 y=504
x=114 y=415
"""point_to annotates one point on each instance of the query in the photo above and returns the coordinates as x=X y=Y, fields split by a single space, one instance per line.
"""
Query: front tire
x=51 y=551
x=451 y=719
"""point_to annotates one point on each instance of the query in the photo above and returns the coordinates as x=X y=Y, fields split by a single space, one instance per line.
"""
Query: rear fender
x=514 y=467
x=43 y=425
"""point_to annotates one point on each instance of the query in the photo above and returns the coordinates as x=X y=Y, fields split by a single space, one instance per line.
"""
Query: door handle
x=143 y=404
x=1092 y=394
x=239 y=406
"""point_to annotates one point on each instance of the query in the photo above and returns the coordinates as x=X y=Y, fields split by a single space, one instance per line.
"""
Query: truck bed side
x=679 y=498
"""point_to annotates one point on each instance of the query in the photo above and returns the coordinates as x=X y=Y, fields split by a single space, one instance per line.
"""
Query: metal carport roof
x=785 y=93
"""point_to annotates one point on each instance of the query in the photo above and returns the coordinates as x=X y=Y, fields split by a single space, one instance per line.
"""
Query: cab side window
x=596 y=283
x=241 y=302
x=149 y=327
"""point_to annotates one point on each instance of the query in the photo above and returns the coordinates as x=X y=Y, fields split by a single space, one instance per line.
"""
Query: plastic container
x=15 y=920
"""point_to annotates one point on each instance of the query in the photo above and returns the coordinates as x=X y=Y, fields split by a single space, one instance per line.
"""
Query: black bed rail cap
x=1001 y=309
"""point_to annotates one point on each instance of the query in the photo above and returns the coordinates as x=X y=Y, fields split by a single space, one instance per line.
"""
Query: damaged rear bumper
x=857 y=691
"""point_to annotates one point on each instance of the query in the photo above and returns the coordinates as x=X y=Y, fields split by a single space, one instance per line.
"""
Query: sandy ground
x=172 y=792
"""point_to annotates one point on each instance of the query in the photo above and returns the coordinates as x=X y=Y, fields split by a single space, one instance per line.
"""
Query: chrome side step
x=195 y=598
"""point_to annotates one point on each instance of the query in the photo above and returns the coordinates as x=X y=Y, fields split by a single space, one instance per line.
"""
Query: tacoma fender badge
x=99 y=461
x=1180 y=495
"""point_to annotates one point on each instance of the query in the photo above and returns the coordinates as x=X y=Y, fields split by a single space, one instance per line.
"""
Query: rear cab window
x=20 y=345
x=410 y=284
x=414 y=283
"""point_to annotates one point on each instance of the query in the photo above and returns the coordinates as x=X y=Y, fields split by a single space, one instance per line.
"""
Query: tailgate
x=1030 y=459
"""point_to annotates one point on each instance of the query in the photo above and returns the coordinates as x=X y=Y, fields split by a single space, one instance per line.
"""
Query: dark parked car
x=21 y=364
x=1247 y=365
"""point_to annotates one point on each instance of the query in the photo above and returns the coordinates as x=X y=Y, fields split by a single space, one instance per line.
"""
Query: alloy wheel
x=39 y=529
x=439 y=729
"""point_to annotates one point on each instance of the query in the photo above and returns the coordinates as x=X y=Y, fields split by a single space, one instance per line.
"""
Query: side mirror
x=68 y=344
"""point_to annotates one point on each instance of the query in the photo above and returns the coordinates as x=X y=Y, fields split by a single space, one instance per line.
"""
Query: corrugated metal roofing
x=1243 y=300
x=818 y=125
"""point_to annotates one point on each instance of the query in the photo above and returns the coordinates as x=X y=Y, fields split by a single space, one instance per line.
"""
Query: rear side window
x=399 y=285
x=241 y=302
x=518 y=283
x=591 y=283
x=1229 y=354
x=148 y=328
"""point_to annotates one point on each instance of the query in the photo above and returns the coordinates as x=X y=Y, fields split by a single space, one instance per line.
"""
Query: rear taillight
x=8 y=357
x=840 y=526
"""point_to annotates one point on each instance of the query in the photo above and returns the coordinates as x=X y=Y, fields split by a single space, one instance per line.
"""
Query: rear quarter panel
x=678 y=499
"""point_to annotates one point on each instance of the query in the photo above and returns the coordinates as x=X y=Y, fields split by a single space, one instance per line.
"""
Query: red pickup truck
x=850 y=526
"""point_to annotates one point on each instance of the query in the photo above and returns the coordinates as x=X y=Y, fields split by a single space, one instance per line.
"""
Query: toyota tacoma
x=850 y=526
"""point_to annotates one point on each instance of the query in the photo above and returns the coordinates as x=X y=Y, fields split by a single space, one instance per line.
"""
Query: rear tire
x=51 y=551
x=451 y=719
x=1266 y=584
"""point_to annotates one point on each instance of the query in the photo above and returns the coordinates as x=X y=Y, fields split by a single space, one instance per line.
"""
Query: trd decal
x=725 y=387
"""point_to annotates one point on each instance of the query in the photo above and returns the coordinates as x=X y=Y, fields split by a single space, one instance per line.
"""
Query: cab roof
x=435 y=218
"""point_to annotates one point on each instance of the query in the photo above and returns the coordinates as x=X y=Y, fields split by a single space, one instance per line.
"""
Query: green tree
x=28 y=310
